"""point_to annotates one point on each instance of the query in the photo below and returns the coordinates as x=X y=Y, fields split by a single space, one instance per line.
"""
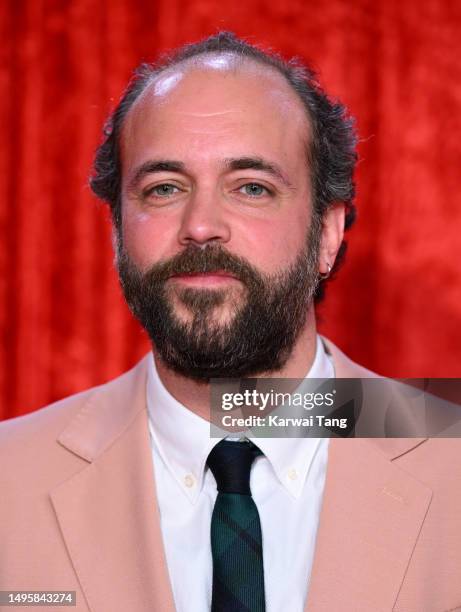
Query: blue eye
x=163 y=190
x=254 y=190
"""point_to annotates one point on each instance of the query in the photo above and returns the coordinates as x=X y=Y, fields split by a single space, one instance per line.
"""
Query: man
x=229 y=176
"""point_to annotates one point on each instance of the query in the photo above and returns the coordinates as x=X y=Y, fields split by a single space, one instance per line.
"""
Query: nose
x=203 y=220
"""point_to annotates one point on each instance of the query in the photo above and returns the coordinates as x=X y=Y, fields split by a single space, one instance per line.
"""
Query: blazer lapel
x=371 y=516
x=108 y=512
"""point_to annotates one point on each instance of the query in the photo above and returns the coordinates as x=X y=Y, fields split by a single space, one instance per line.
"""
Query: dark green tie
x=236 y=542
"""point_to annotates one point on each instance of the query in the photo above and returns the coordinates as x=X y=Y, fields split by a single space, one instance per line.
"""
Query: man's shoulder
x=43 y=449
x=46 y=423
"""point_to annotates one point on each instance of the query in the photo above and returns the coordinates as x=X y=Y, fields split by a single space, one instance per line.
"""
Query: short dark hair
x=331 y=151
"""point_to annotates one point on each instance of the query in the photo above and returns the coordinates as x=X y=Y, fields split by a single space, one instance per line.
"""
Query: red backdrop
x=396 y=306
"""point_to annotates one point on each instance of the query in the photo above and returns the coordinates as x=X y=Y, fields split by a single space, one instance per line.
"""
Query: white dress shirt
x=287 y=485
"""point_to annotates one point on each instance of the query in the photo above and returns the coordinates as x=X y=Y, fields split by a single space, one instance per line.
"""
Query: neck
x=196 y=395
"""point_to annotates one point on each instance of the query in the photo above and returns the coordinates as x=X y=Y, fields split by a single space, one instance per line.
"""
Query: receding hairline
x=236 y=63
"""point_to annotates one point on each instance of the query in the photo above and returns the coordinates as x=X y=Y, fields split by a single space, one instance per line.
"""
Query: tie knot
x=230 y=463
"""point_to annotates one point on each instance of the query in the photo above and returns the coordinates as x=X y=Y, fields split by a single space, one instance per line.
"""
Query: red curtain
x=396 y=305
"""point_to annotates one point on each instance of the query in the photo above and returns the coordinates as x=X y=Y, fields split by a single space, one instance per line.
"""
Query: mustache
x=196 y=260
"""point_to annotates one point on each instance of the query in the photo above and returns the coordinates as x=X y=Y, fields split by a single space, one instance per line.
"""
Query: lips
x=219 y=273
x=216 y=278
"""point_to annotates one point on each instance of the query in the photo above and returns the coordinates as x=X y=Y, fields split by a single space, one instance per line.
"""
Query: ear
x=114 y=236
x=332 y=236
x=115 y=244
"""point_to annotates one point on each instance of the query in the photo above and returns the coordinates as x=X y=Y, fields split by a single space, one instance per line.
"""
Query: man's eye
x=163 y=190
x=254 y=190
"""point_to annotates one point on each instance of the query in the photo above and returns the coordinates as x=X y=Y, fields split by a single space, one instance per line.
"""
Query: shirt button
x=292 y=474
x=189 y=481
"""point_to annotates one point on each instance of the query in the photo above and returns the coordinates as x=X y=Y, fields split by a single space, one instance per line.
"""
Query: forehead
x=205 y=106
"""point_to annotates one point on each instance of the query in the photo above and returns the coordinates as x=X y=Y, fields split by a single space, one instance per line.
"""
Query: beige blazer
x=78 y=511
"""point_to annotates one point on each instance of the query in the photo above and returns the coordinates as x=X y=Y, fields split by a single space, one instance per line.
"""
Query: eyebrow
x=231 y=163
x=152 y=166
x=258 y=163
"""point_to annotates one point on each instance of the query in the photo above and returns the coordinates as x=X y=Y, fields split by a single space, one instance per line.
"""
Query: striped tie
x=236 y=542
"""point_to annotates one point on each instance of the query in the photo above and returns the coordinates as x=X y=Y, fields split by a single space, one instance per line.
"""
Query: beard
x=263 y=317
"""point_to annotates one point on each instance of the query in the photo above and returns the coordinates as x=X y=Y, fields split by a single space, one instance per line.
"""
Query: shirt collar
x=183 y=441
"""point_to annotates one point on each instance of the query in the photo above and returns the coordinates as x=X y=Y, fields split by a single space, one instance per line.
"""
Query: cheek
x=271 y=246
x=146 y=239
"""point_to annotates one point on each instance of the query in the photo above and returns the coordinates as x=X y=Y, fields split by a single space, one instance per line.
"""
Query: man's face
x=218 y=252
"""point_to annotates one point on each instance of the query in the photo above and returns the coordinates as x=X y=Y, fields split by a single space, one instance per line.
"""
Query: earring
x=325 y=275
